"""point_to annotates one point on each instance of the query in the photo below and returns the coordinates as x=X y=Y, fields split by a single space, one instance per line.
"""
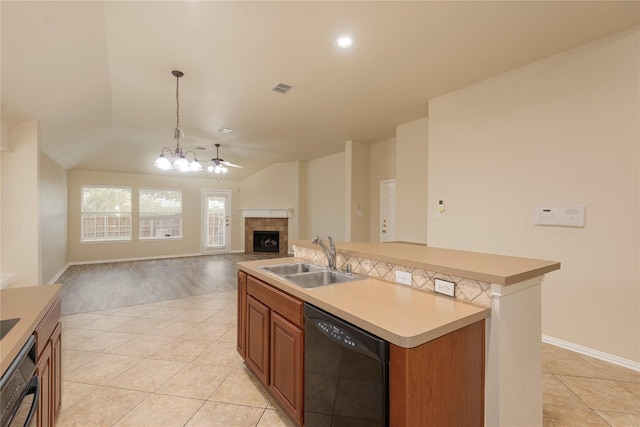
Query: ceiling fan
x=218 y=165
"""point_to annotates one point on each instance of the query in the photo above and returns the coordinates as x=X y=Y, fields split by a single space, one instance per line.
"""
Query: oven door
x=25 y=414
x=20 y=389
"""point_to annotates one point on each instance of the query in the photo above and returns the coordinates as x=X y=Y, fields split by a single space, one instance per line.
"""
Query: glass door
x=216 y=220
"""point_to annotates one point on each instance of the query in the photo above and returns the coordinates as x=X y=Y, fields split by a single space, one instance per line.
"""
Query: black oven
x=20 y=389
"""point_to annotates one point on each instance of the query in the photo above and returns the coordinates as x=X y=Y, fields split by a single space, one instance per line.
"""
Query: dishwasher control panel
x=337 y=333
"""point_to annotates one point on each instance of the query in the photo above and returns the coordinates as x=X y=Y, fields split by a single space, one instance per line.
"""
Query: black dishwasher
x=346 y=373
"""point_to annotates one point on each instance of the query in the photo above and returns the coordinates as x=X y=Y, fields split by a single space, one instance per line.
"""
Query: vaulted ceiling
x=97 y=75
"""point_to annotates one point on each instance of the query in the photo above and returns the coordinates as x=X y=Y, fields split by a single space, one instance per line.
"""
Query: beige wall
x=326 y=196
x=53 y=214
x=357 y=191
x=191 y=216
x=411 y=181
x=274 y=187
x=21 y=206
x=383 y=167
x=564 y=130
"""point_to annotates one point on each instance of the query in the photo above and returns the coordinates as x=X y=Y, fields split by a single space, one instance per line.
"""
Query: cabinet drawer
x=280 y=302
x=46 y=327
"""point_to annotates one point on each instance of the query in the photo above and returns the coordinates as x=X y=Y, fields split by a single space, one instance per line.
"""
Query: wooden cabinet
x=440 y=382
x=273 y=341
x=56 y=373
x=258 y=317
x=44 y=369
x=286 y=369
x=242 y=313
x=49 y=365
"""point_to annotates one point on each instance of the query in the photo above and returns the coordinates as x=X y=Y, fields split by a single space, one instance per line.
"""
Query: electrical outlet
x=403 y=277
x=444 y=287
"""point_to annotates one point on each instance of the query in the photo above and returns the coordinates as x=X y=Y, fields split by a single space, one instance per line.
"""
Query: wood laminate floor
x=92 y=287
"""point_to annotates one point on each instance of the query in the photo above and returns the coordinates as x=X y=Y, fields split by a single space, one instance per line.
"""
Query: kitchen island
x=501 y=289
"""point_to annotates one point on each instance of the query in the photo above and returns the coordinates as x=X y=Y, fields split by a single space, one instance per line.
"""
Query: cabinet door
x=56 y=371
x=43 y=370
x=242 y=314
x=258 y=338
x=286 y=365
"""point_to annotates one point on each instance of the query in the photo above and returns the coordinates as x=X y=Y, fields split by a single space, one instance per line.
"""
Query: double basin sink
x=308 y=275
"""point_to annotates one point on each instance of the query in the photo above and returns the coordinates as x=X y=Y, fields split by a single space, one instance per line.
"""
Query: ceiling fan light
x=224 y=169
x=217 y=169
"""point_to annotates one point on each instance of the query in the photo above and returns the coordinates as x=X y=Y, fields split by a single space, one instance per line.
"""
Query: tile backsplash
x=475 y=291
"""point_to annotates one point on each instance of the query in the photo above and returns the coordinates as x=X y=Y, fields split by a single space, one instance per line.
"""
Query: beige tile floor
x=174 y=363
x=582 y=391
x=169 y=363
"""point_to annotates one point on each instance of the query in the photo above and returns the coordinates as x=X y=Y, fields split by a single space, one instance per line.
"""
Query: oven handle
x=33 y=388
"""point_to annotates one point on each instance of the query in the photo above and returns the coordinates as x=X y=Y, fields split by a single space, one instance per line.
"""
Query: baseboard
x=6 y=280
x=58 y=274
x=626 y=363
x=105 y=261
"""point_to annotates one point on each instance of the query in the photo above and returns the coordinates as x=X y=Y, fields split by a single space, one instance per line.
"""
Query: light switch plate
x=403 y=277
x=444 y=287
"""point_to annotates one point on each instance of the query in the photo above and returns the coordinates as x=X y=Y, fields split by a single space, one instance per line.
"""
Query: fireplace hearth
x=266 y=241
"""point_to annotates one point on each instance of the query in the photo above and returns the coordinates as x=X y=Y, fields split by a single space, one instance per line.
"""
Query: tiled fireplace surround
x=266 y=224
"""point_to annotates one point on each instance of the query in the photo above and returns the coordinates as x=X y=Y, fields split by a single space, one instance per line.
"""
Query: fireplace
x=275 y=221
x=266 y=241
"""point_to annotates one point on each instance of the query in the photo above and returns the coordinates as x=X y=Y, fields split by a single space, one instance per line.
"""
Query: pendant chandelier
x=177 y=159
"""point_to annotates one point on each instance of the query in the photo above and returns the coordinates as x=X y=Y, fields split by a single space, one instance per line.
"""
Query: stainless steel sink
x=292 y=268
x=320 y=278
x=309 y=275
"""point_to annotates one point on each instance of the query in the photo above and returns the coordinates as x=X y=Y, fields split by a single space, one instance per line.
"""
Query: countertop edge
x=538 y=267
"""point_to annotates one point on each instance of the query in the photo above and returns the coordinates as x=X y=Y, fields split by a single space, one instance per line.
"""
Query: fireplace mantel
x=266 y=213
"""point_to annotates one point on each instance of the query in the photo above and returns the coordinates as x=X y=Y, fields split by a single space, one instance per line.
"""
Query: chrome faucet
x=330 y=251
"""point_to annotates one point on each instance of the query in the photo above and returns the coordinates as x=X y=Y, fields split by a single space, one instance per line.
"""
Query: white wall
x=411 y=181
x=53 y=214
x=274 y=187
x=21 y=206
x=357 y=191
x=564 y=130
x=326 y=196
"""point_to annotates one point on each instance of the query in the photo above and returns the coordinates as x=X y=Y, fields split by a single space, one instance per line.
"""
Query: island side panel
x=440 y=382
x=514 y=358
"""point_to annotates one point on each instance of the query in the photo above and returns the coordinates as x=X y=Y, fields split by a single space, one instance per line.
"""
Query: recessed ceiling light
x=225 y=130
x=344 y=42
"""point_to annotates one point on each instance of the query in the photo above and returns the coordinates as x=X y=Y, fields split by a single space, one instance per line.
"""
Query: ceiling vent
x=282 y=88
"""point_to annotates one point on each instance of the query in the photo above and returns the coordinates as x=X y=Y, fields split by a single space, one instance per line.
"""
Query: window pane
x=160 y=214
x=106 y=213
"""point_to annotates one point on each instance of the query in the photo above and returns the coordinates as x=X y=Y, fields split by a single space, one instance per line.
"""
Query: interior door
x=216 y=220
x=388 y=210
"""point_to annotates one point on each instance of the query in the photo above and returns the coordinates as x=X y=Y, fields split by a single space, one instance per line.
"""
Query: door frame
x=206 y=193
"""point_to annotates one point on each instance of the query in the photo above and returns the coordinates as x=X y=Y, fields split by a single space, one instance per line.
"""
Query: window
x=160 y=214
x=105 y=213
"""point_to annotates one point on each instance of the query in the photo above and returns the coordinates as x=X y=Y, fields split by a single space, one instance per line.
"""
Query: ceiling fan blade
x=231 y=165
